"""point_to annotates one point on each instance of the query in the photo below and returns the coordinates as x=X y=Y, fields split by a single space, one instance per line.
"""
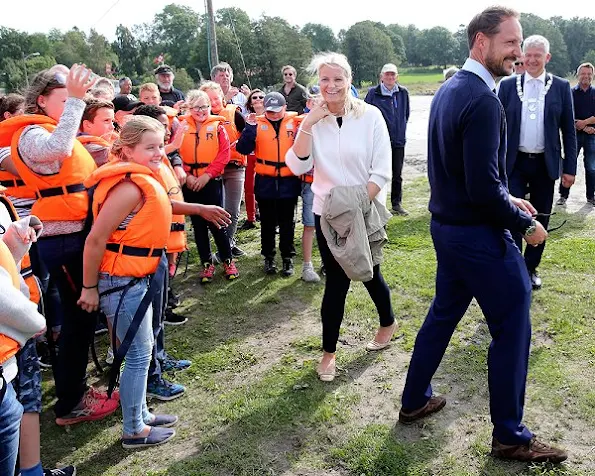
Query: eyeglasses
x=200 y=108
x=519 y=63
x=287 y=74
x=257 y=97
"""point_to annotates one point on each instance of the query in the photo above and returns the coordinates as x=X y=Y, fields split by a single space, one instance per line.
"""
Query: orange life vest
x=134 y=251
x=229 y=112
x=60 y=196
x=15 y=187
x=8 y=347
x=177 y=236
x=26 y=269
x=199 y=148
x=98 y=147
x=271 y=149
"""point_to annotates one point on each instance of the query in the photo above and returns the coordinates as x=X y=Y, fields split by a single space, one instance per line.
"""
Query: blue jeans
x=11 y=412
x=159 y=304
x=133 y=381
x=586 y=142
x=233 y=187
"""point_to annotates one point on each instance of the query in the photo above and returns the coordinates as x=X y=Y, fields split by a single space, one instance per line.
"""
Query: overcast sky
x=41 y=15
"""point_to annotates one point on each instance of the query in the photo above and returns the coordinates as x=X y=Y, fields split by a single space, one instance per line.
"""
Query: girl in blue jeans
x=132 y=220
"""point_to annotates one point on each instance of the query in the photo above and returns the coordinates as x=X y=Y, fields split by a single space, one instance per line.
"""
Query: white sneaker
x=309 y=275
x=109 y=358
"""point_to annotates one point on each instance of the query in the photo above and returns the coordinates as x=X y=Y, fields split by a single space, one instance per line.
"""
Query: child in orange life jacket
x=205 y=152
x=276 y=188
x=97 y=129
x=235 y=170
x=120 y=258
x=50 y=160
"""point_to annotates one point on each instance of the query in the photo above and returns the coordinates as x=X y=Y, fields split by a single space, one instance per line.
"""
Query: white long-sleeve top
x=356 y=153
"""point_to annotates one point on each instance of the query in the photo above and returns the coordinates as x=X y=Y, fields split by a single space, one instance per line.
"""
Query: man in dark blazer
x=473 y=215
x=538 y=108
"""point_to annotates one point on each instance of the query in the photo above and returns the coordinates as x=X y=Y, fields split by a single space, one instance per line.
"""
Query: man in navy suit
x=472 y=213
x=538 y=107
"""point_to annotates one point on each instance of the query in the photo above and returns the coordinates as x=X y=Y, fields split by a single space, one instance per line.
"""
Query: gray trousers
x=233 y=187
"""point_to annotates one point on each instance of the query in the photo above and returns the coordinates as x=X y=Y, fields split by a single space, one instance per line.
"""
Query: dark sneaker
x=173 y=319
x=591 y=201
x=434 y=405
x=237 y=252
x=230 y=270
x=248 y=225
x=67 y=471
x=173 y=300
x=269 y=266
x=164 y=421
x=157 y=436
x=323 y=270
x=163 y=390
x=207 y=273
x=535 y=280
x=399 y=210
x=287 y=267
x=91 y=407
x=534 y=451
x=561 y=201
x=170 y=364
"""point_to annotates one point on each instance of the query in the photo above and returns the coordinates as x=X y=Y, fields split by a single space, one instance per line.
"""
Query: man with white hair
x=538 y=108
x=222 y=74
x=164 y=76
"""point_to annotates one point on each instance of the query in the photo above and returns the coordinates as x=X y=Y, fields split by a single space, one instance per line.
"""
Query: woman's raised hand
x=80 y=79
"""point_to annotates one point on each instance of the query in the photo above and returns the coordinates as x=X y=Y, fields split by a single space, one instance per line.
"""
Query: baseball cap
x=125 y=103
x=274 y=102
x=389 y=68
x=163 y=69
x=314 y=91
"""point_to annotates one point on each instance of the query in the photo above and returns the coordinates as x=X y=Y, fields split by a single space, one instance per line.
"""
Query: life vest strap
x=178 y=226
x=56 y=191
x=134 y=250
x=26 y=272
x=12 y=183
x=197 y=166
x=271 y=163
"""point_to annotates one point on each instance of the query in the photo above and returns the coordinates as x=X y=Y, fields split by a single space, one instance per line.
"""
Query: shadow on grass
x=263 y=426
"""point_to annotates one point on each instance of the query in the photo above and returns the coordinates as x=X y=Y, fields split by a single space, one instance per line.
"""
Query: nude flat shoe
x=373 y=345
x=329 y=373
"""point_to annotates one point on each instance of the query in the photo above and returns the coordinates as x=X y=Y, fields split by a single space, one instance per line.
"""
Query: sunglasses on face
x=257 y=97
x=287 y=74
x=519 y=63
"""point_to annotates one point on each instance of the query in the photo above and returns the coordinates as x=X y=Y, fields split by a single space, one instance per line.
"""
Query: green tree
x=534 y=25
x=184 y=81
x=321 y=37
x=579 y=36
x=174 y=31
x=367 y=47
x=102 y=53
x=589 y=57
x=439 y=46
x=396 y=34
x=412 y=45
x=462 y=51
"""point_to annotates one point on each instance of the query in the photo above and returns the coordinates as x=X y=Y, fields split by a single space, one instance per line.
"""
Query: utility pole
x=214 y=55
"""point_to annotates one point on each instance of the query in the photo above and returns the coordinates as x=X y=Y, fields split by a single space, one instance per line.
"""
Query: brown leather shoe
x=534 y=451
x=434 y=405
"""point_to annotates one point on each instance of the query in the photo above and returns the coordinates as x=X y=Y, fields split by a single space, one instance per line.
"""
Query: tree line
x=257 y=49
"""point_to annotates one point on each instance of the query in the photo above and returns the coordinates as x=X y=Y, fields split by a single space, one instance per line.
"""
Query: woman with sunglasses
x=205 y=151
x=254 y=104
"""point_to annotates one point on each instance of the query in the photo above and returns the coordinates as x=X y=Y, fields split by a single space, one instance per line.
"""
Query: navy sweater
x=467 y=157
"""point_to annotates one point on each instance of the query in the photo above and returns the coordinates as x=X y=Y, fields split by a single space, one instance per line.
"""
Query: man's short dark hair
x=488 y=22
x=149 y=110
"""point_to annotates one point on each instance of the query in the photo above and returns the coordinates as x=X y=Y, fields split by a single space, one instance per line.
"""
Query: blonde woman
x=347 y=142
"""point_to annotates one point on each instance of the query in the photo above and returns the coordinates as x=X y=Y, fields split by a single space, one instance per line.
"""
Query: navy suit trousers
x=484 y=263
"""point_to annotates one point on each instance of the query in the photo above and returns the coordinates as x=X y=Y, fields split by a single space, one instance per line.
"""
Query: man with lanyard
x=393 y=101
x=583 y=97
x=538 y=108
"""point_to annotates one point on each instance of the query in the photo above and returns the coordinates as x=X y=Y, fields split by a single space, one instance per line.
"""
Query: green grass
x=254 y=406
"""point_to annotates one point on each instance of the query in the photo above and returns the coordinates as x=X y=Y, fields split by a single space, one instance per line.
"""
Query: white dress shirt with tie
x=532 y=139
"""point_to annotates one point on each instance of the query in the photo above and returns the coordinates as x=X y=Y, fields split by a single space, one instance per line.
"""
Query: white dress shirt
x=532 y=138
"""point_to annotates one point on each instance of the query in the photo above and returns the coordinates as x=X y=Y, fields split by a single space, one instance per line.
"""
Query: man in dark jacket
x=393 y=101
x=164 y=76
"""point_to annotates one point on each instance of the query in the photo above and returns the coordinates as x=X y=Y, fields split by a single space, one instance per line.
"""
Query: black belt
x=56 y=191
x=271 y=163
x=135 y=250
x=12 y=183
x=197 y=166
x=178 y=226
x=532 y=155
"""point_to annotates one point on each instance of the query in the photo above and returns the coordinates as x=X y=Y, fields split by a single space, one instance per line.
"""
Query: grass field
x=255 y=407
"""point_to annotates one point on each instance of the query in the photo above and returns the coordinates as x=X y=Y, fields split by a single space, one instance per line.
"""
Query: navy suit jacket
x=558 y=117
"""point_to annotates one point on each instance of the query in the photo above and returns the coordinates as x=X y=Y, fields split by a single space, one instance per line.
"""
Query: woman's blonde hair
x=194 y=95
x=132 y=133
x=212 y=86
x=338 y=60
